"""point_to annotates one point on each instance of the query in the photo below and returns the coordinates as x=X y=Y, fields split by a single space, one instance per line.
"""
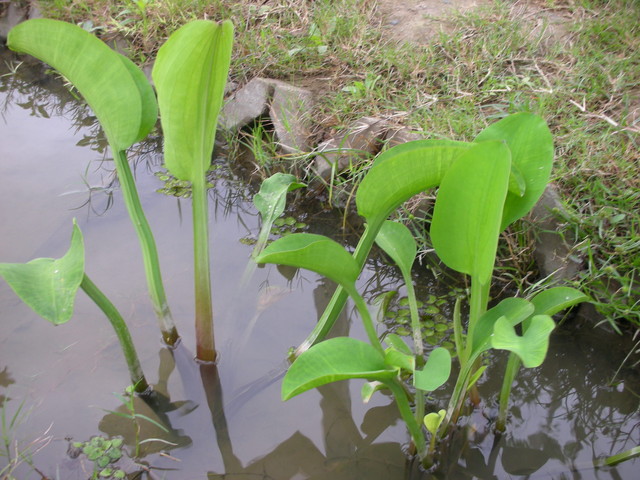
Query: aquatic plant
x=484 y=186
x=49 y=286
x=190 y=74
x=124 y=102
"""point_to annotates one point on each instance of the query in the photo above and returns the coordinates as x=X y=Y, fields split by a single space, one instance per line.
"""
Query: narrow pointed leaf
x=398 y=242
x=313 y=252
x=115 y=89
x=468 y=210
x=270 y=202
x=532 y=346
x=531 y=144
x=340 y=358
x=48 y=285
x=436 y=371
x=190 y=74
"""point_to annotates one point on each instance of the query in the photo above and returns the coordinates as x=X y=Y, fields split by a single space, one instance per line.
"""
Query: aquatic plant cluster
x=483 y=186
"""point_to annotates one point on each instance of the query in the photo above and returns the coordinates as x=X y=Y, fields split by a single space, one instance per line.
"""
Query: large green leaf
x=270 y=202
x=313 y=252
x=112 y=85
x=49 y=285
x=190 y=74
x=340 y=358
x=531 y=145
x=532 y=346
x=402 y=172
x=468 y=209
x=398 y=242
x=435 y=372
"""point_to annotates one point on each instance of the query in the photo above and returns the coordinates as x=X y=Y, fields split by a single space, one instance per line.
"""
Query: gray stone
x=13 y=15
x=290 y=115
x=364 y=137
x=552 y=254
x=397 y=136
x=247 y=104
x=287 y=106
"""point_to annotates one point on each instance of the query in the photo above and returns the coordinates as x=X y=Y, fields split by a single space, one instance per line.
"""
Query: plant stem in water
x=148 y=246
x=122 y=332
x=205 y=343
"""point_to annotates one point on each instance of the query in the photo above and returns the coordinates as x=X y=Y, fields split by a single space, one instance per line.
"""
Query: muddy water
x=229 y=422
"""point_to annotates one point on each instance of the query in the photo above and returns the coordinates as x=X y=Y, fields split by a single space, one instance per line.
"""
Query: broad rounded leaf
x=468 y=209
x=48 y=285
x=313 y=252
x=190 y=73
x=115 y=89
x=340 y=358
x=532 y=346
x=531 y=144
x=436 y=371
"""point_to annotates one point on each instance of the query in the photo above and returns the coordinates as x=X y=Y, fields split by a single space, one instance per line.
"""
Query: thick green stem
x=148 y=246
x=205 y=343
x=122 y=332
x=340 y=296
x=366 y=319
x=415 y=430
x=513 y=365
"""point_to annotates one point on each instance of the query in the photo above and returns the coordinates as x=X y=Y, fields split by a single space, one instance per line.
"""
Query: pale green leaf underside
x=436 y=371
x=532 y=346
x=114 y=88
x=313 y=252
x=49 y=285
x=340 y=358
x=468 y=209
x=190 y=74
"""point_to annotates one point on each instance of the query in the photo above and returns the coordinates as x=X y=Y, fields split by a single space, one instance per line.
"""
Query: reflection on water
x=227 y=421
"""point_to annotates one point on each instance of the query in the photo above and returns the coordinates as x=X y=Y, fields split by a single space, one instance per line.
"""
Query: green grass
x=490 y=62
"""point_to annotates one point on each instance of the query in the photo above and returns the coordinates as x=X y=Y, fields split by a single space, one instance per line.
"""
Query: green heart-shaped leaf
x=436 y=371
x=532 y=346
x=48 y=285
x=340 y=358
x=433 y=420
x=514 y=310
